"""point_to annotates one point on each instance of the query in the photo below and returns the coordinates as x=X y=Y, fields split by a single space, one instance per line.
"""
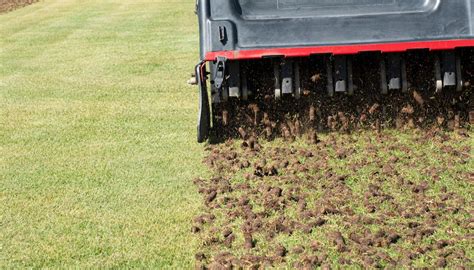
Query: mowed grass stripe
x=97 y=147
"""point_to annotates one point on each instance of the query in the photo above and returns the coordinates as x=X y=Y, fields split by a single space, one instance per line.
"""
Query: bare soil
x=9 y=5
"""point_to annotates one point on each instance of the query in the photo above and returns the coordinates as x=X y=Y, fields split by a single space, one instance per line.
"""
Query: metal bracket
x=339 y=73
x=233 y=82
x=287 y=77
x=277 y=75
x=448 y=71
x=393 y=73
x=204 y=116
x=219 y=72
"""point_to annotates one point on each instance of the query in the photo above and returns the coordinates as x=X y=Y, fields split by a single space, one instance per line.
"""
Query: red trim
x=341 y=49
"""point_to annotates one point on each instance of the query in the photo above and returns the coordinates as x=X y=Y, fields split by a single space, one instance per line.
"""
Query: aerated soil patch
x=385 y=199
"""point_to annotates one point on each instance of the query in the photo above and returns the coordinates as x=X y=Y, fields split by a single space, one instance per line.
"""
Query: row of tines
x=287 y=78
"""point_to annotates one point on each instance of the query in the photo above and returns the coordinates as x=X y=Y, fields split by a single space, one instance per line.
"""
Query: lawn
x=98 y=155
x=97 y=134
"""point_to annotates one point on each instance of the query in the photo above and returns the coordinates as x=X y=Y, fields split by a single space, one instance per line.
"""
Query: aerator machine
x=244 y=42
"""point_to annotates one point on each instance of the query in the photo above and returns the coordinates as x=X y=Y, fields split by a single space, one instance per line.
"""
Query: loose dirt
x=9 y=5
x=367 y=109
x=385 y=199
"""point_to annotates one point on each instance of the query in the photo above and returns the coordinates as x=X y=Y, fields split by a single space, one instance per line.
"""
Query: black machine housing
x=232 y=31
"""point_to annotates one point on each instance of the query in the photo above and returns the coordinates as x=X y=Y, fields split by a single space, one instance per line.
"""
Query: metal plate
x=263 y=24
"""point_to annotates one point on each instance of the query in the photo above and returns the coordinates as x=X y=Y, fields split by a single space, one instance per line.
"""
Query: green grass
x=97 y=134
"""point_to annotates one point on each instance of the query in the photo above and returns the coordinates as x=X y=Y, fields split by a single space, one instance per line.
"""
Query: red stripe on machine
x=341 y=49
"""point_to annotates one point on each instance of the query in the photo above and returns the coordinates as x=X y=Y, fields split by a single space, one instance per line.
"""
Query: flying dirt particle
x=344 y=120
x=418 y=98
x=225 y=117
x=399 y=122
x=457 y=121
x=411 y=123
x=332 y=123
x=291 y=126
x=471 y=117
x=242 y=133
x=266 y=120
x=312 y=113
x=286 y=133
x=440 y=120
x=408 y=109
x=268 y=132
x=255 y=109
x=316 y=77
x=312 y=137
x=375 y=107
x=297 y=128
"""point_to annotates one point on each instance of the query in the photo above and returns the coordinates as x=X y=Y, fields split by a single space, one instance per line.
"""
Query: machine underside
x=282 y=68
x=290 y=96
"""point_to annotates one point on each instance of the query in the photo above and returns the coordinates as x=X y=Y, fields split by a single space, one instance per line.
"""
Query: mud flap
x=204 y=117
